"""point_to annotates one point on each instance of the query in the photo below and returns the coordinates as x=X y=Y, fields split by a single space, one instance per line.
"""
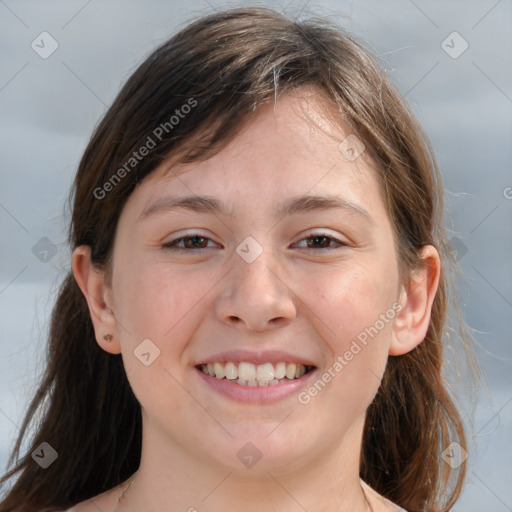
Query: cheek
x=156 y=304
x=349 y=300
x=354 y=316
x=156 y=299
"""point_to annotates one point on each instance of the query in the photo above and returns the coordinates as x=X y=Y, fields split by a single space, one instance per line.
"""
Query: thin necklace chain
x=124 y=492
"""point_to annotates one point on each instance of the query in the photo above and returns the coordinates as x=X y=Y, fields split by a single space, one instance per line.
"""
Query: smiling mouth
x=249 y=374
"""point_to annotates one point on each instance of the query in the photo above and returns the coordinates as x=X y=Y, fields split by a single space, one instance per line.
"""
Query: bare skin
x=109 y=501
x=296 y=296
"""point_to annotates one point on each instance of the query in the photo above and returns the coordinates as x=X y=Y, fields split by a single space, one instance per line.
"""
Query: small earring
x=108 y=338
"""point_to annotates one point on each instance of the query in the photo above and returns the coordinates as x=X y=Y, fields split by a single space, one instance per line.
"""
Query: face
x=258 y=284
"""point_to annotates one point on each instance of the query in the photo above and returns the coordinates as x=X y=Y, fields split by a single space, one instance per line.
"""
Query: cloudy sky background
x=49 y=107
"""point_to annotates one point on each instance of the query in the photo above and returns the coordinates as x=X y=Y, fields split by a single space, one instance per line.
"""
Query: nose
x=255 y=296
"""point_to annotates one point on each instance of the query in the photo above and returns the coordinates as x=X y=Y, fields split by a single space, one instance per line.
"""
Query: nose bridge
x=255 y=294
x=257 y=279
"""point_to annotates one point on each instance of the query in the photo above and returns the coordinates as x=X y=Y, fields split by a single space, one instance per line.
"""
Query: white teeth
x=231 y=371
x=265 y=372
x=246 y=371
x=291 y=369
x=280 y=370
x=249 y=374
x=219 y=370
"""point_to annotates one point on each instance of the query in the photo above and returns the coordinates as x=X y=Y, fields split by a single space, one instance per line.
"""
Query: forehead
x=291 y=148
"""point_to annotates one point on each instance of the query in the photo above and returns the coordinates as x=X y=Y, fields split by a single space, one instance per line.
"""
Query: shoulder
x=378 y=502
x=105 y=502
x=84 y=506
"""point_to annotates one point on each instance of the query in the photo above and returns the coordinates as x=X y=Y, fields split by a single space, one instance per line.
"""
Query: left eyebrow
x=293 y=206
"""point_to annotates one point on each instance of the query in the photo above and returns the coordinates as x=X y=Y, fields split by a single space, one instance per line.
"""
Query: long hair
x=211 y=77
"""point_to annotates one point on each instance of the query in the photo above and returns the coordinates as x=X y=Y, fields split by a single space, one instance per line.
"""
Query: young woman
x=254 y=314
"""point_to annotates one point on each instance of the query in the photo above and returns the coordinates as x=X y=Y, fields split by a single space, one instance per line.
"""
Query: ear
x=411 y=324
x=98 y=295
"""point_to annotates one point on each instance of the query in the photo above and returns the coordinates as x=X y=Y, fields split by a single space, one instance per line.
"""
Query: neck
x=317 y=483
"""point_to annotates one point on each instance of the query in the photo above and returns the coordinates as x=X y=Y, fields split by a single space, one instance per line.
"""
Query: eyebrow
x=293 y=206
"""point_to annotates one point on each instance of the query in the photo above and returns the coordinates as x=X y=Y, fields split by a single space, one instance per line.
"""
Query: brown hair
x=223 y=66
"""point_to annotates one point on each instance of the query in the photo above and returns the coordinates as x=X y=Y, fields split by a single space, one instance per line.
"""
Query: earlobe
x=97 y=294
x=412 y=322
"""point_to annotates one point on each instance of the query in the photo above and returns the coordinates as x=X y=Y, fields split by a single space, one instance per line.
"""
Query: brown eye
x=319 y=241
x=322 y=241
x=190 y=242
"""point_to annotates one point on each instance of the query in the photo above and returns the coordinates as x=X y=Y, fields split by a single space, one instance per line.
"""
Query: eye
x=198 y=242
x=322 y=241
x=192 y=241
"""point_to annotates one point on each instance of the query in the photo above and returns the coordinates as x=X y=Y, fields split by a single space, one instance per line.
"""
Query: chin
x=257 y=453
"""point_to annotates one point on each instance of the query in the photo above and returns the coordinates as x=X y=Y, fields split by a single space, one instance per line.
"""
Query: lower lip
x=256 y=394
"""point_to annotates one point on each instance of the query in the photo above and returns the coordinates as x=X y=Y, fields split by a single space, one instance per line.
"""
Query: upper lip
x=255 y=357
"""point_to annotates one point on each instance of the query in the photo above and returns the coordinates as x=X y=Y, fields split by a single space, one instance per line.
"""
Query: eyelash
x=172 y=244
